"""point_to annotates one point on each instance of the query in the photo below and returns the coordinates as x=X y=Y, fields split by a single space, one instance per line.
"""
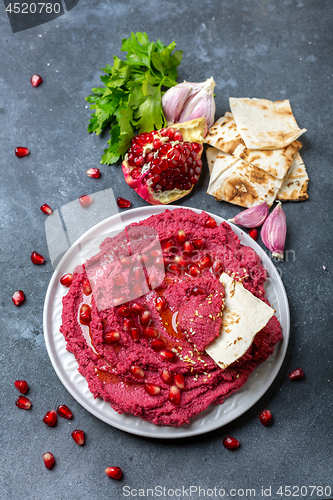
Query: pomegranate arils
x=179 y=380
x=21 y=385
x=205 y=262
x=50 y=418
x=23 y=402
x=157 y=344
x=114 y=472
x=93 y=172
x=66 y=280
x=128 y=324
x=124 y=311
x=85 y=314
x=150 y=332
x=49 y=460
x=86 y=287
x=297 y=374
x=166 y=377
x=64 y=412
x=137 y=308
x=230 y=443
x=160 y=304
x=20 y=151
x=85 y=200
x=18 y=297
x=78 y=437
x=111 y=337
x=123 y=203
x=266 y=417
x=135 y=333
x=174 y=395
x=36 y=258
x=46 y=209
x=119 y=280
x=198 y=243
x=152 y=390
x=254 y=234
x=194 y=271
x=137 y=372
x=181 y=237
x=170 y=246
x=211 y=223
x=167 y=355
x=36 y=80
x=188 y=247
x=198 y=291
x=145 y=317
x=217 y=268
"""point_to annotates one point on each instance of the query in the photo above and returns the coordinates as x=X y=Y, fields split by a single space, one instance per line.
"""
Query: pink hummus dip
x=139 y=334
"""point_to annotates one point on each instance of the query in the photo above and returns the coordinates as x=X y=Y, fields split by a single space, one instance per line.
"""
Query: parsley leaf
x=130 y=99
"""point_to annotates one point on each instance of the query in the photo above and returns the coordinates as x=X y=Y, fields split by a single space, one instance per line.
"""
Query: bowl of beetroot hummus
x=141 y=311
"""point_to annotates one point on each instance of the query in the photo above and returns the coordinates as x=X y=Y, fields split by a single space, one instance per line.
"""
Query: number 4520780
x=33 y=8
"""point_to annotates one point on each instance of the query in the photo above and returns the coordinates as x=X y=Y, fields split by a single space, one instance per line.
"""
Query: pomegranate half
x=164 y=165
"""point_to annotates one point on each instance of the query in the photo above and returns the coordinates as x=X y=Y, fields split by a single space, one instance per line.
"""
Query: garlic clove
x=252 y=217
x=174 y=99
x=273 y=232
x=201 y=104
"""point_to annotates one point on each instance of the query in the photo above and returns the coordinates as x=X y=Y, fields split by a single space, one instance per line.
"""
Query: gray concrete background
x=257 y=48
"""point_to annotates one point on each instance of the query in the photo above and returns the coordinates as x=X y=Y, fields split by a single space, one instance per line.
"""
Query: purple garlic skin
x=252 y=217
x=173 y=101
x=273 y=232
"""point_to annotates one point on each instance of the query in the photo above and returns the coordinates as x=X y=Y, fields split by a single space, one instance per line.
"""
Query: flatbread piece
x=295 y=184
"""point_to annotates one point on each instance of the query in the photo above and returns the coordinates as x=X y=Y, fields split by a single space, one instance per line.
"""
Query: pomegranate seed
x=160 y=304
x=136 y=173
x=194 y=271
x=151 y=332
x=18 y=297
x=145 y=317
x=122 y=203
x=137 y=372
x=110 y=337
x=254 y=234
x=137 y=288
x=66 y=280
x=157 y=344
x=170 y=246
x=86 y=288
x=114 y=472
x=23 y=403
x=297 y=374
x=179 y=380
x=174 y=395
x=125 y=311
x=266 y=417
x=217 y=268
x=157 y=143
x=205 y=262
x=167 y=355
x=119 y=300
x=166 y=377
x=188 y=247
x=230 y=443
x=135 y=333
x=49 y=460
x=78 y=437
x=197 y=290
x=152 y=390
x=128 y=324
x=64 y=412
x=181 y=237
x=139 y=161
x=36 y=80
x=46 y=209
x=125 y=262
x=93 y=172
x=21 y=385
x=178 y=136
x=119 y=280
x=85 y=200
x=85 y=314
x=36 y=258
x=50 y=418
x=22 y=152
x=137 y=308
x=175 y=269
x=211 y=223
x=198 y=243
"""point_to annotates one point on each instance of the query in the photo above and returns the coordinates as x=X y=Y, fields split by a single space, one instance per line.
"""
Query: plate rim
x=140 y=213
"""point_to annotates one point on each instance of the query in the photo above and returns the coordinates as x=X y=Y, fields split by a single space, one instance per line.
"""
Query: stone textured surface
x=273 y=49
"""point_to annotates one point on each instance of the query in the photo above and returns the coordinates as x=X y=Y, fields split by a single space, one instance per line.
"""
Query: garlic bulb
x=188 y=101
x=252 y=217
x=273 y=232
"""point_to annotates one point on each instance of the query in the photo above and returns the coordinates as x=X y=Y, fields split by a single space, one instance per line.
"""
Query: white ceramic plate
x=215 y=416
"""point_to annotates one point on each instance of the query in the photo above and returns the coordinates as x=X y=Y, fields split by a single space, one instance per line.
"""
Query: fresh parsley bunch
x=130 y=99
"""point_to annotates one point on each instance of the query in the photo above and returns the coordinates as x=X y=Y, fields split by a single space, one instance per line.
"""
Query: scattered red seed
x=194 y=271
x=46 y=209
x=36 y=80
x=23 y=403
x=254 y=234
x=21 y=385
x=145 y=317
x=111 y=337
x=157 y=344
x=211 y=223
x=20 y=151
x=181 y=237
x=135 y=333
x=297 y=374
x=123 y=203
x=166 y=377
x=50 y=418
x=119 y=280
x=198 y=243
x=66 y=280
x=160 y=304
x=85 y=200
x=167 y=355
x=93 y=172
x=266 y=417
x=151 y=332
x=85 y=314
x=124 y=311
x=174 y=395
x=137 y=372
x=114 y=472
x=86 y=287
x=64 y=412
x=18 y=297
x=37 y=258
x=179 y=380
x=49 y=460
x=78 y=437
x=230 y=443
x=152 y=390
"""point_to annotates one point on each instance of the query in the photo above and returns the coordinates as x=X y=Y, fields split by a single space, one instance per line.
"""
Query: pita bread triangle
x=295 y=184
